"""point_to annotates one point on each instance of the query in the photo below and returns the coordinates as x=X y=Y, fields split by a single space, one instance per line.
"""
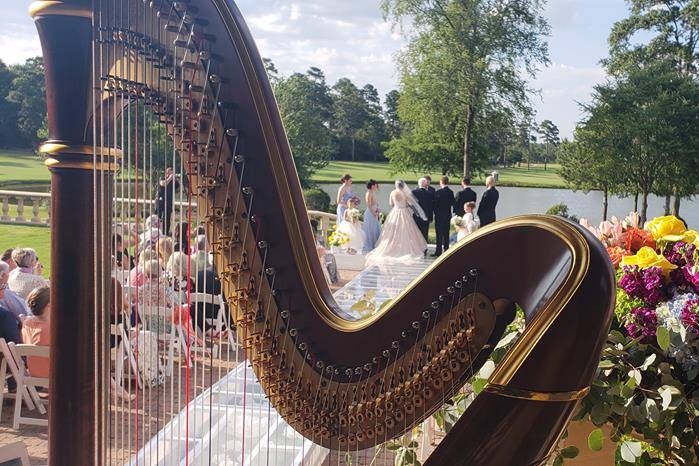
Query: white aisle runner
x=220 y=428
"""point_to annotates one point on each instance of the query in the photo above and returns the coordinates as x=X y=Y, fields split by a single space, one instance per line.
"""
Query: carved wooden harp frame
x=432 y=337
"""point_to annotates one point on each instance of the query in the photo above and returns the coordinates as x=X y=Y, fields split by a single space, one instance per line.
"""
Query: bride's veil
x=410 y=199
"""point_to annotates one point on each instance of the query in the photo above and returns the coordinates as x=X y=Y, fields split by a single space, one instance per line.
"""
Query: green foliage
x=29 y=96
x=561 y=210
x=317 y=199
x=393 y=125
x=672 y=28
x=463 y=72
x=551 y=137
x=306 y=108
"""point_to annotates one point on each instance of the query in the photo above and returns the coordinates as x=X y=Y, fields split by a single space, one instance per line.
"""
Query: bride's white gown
x=400 y=240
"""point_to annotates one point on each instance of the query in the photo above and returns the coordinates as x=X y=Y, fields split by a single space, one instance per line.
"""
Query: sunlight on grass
x=38 y=238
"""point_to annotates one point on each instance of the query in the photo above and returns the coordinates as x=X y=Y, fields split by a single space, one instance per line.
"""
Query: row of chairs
x=13 y=365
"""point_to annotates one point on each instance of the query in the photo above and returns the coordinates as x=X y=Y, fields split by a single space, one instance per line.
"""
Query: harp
x=122 y=76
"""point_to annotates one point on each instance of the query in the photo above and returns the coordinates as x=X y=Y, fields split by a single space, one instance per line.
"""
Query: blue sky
x=350 y=38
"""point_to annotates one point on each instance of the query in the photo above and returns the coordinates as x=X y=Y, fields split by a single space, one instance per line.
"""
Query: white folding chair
x=159 y=322
x=123 y=352
x=25 y=379
x=217 y=325
x=31 y=397
x=14 y=453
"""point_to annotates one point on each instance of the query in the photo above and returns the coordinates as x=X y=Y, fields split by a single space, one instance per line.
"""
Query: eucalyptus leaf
x=487 y=369
x=649 y=360
x=570 y=452
x=595 y=441
x=663 y=337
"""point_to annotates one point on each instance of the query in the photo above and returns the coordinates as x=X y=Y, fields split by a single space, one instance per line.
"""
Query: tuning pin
x=435 y=305
x=367 y=367
x=386 y=353
x=451 y=290
x=458 y=284
x=270 y=271
x=303 y=346
x=239 y=159
x=395 y=345
x=416 y=324
x=284 y=314
x=248 y=190
x=441 y=298
x=262 y=244
x=473 y=272
x=348 y=372
x=425 y=314
x=320 y=364
x=293 y=332
x=204 y=55
x=231 y=132
x=214 y=79
x=404 y=334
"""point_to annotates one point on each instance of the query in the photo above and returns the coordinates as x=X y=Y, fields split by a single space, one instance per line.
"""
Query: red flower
x=634 y=239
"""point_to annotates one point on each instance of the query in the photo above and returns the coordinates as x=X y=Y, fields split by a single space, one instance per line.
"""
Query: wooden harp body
x=345 y=385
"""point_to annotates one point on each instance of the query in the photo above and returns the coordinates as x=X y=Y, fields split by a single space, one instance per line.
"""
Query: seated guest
x=177 y=271
x=7 y=258
x=164 y=249
x=23 y=279
x=327 y=259
x=200 y=259
x=36 y=329
x=155 y=291
x=123 y=259
x=151 y=234
x=207 y=282
x=11 y=301
x=136 y=276
x=181 y=238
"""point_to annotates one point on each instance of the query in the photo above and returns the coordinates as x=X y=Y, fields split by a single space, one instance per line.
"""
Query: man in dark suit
x=165 y=198
x=429 y=181
x=443 y=203
x=425 y=198
x=465 y=195
x=489 y=201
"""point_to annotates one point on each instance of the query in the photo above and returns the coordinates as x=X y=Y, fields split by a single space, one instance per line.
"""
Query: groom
x=443 y=203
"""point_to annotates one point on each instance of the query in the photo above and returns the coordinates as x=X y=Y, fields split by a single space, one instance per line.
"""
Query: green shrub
x=561 y=210
x=317 y=199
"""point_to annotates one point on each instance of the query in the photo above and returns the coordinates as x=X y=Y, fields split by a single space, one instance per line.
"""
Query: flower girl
x=468 y=223
x=352 y=227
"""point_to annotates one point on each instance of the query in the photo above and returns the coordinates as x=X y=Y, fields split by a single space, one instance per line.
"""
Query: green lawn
x=22 y=170
x=381 y=172
x=38 y=238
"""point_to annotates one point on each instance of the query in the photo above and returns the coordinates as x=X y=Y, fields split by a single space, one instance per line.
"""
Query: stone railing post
x=36 y=204
x=20 y=210
x=5 y=209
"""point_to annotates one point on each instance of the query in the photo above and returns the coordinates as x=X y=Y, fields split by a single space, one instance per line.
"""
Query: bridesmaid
x=344 y=194
x=372 y=226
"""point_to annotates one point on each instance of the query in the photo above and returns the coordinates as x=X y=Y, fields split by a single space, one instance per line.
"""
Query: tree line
x=22 y=104
x=640 y=132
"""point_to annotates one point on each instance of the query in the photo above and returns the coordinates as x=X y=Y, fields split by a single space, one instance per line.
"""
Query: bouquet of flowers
x=337 y=238
x=621 y=238
x=457 y=222
x=353 y=215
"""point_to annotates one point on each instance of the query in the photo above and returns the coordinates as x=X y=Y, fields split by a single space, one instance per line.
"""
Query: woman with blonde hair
x=164 y=249
x=23 y=279
x=136 y=276
x=36 y=329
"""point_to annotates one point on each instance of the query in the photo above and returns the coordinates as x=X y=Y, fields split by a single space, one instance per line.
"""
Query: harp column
x=79 y=245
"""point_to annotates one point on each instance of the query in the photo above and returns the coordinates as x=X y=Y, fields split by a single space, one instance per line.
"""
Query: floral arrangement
x=353 y=215
x=457 y=222
x=337 y=238
x=647 y=387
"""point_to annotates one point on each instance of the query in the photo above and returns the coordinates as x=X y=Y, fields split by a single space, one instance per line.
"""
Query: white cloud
x=563 y=87
x=19 y=42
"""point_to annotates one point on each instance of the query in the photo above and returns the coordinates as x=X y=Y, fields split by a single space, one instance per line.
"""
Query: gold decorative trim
x=57 y=7
x=55 y=148
x=533 y=395
x=52 y=163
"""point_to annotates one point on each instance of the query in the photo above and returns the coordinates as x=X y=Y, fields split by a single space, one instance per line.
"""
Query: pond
x=518 y=201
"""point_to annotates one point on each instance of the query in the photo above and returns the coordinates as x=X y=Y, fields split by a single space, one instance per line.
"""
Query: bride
x=400 y=240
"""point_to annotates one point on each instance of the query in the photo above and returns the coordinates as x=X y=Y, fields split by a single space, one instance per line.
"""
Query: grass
x=38 y=238
x=22 y=170
x=535 y=177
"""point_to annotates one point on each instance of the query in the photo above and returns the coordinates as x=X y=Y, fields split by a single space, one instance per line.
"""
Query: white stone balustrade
x=15 y=209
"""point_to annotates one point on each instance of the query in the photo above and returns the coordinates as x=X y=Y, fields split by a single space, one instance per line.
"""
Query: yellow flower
x=668 y=228
x=647 y=257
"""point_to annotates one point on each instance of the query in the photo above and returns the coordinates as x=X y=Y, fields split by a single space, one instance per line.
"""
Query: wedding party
x=402 y=235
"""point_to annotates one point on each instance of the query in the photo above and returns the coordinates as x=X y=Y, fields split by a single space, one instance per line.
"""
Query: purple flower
x=690 y=315
x=653 y=282
x=632 y=282
x=642 y=322
x=680 y=253
x=691 y=275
